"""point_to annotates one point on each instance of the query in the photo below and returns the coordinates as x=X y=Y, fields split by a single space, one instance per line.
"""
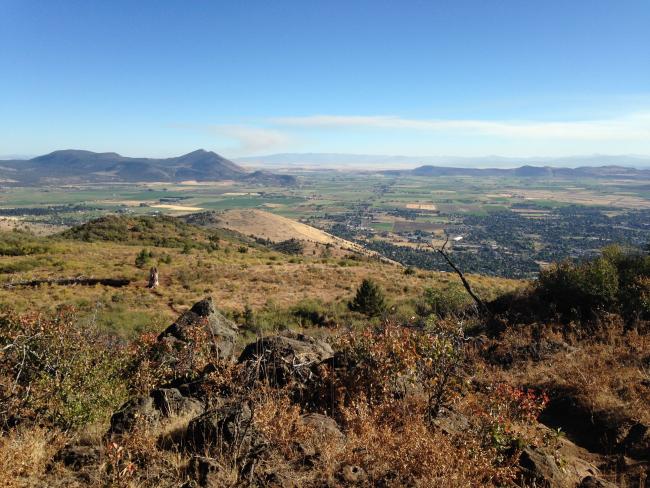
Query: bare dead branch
x=480 y=304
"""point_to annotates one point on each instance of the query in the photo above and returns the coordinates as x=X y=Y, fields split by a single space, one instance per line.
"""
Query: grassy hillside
x=194 y=262
x=548 y=387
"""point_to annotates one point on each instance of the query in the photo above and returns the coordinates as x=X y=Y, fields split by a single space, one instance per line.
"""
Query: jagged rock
x=353 y=474
x=207 y=472
x=225 y=426
x=171 y=402
x=204 y=316
x=541 y=468
x=593 y=482
x=150 y=409
x=284 y=358
x=76 y=457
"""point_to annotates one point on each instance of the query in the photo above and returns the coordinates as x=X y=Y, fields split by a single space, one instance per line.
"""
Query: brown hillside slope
x=265 y=225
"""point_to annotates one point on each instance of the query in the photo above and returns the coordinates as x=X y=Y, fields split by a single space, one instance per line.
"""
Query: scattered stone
x=451 y=422
x=325 y=431
x=171 y=402
x=540 y=467
x=139 y=409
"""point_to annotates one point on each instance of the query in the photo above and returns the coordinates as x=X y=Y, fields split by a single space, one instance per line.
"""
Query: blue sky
x=464 y=78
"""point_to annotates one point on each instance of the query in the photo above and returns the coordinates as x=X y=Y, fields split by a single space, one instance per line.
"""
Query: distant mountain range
x=76 y=166
x=374 y=161
x=73 y=165
x=616 y=172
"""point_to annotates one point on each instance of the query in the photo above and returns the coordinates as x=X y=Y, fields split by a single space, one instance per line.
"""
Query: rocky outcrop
x=204 y=318
x=286 y=358
x=226 y=426
x=604 y=431
x=218 y=424
x=562 y=468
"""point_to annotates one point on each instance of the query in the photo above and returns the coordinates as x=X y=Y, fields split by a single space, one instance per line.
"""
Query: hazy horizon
x=389 y=161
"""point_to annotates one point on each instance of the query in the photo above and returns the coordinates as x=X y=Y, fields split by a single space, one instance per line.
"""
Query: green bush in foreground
x=617 y=282
x=54 y=370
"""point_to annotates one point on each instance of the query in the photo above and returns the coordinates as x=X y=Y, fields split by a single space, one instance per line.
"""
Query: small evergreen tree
x=369 y=299
x=143 y=258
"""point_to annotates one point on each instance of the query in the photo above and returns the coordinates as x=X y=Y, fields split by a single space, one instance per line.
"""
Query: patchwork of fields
x=508 y=226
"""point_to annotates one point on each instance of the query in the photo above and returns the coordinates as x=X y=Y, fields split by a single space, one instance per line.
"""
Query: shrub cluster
x=617 y=282
x=57 y=371
x=19 y=243
x=290 y=246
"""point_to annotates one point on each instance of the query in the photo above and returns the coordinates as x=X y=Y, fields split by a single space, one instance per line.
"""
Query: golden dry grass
x=25 y=455
x=233 y=279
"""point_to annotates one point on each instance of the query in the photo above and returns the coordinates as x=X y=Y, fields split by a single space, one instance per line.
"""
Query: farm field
x=503 y=226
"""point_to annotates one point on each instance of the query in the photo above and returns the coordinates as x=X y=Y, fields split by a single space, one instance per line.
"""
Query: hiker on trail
x=153 y=277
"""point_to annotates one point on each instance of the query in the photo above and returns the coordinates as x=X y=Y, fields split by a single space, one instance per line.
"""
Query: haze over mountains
x=86 y=166
x=77 y=166
x=616 y=172
x=379 y=161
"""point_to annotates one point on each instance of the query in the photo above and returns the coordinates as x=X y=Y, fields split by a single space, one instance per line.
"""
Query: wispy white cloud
x=630 y=127
x=252 y=139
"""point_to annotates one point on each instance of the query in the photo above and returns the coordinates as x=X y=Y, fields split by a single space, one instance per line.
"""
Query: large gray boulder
x=203 y=317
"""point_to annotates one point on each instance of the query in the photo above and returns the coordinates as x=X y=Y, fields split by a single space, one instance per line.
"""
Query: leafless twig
x=481 y=305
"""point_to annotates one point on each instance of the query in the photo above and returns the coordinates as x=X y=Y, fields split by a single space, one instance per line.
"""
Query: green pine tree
x=369 y=299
